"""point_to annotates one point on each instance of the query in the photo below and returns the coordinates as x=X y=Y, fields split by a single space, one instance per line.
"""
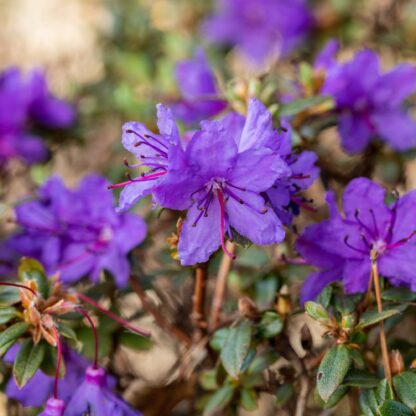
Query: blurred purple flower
x=369 y=103
x=94 y=397
x=40 y=387
x=200 y=94
x=53 y=407
x=77 y=232
x=342 y=247
x=260 y=28
x=25 y=101
x=220 y=184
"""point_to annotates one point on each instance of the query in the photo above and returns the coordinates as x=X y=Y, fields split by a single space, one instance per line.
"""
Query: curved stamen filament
x=357 y=217
x=241 y=201
x=402 y=241
x=113 y=316
x=222 y=224
x=352 y=247
x=141 y=179
x=146 y=142
x=94 y=331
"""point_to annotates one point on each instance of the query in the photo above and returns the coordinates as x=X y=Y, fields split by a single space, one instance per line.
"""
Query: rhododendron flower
x=153 y=152
x=94 y=397
x=53 y=407
x=260 y=28
x=220 y=181
x=25 y=100
x=344 y=246
x=200 y=94
x=40 y=387
x=77 y=232
x=369 y=102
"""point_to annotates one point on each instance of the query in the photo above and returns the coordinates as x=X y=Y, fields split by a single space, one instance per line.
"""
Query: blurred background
x=115 y=60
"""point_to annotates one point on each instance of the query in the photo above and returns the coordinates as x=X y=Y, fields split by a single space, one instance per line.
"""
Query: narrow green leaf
x=283 y=394
x=217 y=341
x=134 y=341
x=67 y=332
x=336 y=397
x=398 y=294
x=384 y=391
x=236 y=348
x=28 y=361
x=9 y=295
x=248 y=399
x=297 y=106
x=373 y=317
x=31 y=269
x=405 y=387
x=7 y=313
x=208 y=379
x=316 y=311
x=49 y=362
x=368 y=403
x=393 y=408
x=332 y=370
x=10 y=335
x=271 y=324
x=361 y=378
x=219 y=400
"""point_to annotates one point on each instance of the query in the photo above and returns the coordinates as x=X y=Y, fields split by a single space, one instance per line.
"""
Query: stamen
x=352 y=247
x=148 y=136
x=141 y=179
x=19 y=286
x=300 y=176
x=402 y=241
x=356 y=215
x=121 y=321
x=94 y=331
x=236 y=187
x=241 y=201
x=374 y=221
x=364 y=239
x=58 y=363
x=145 y=142
x=222 y=224
x=302 y=202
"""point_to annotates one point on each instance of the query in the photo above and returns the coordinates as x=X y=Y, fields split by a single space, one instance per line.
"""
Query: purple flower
x=342 y=246
x=24 y=101
x=53 y=407
x=77 y=232
x=40 y=387
x=93 y=397
x=199 y=90
x=260 y=28
x=152 y=151
x=219 y=180
x=369 y=103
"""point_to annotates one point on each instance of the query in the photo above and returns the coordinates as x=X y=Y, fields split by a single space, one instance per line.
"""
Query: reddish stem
x=19 y=286
x=222 y=224
x=113 y=316
x=94 y=331
x=58 y=364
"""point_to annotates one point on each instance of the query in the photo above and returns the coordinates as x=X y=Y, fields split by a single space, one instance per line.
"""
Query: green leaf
x=332 y=370
x=283 y=394
x=398 y=294
x=50 y=361
x=9 y=295
x=383 y=391
x=28 y=361
x=263 y=360
x=316 y=311
x=219 y=400
x=10 y=335
x=393 y=408
x=405 y=387
x=236 y=348
x=7 y=313
x=67 y=332
x=298 y=106
x=208 y=379
x=271 y=324
x=248 y=399
x=217 y=341
x=368 y=403
x=135 y=341
x=324 y=298
x=373 y=317
x=31 y=269
x=335 y=398
x=361 y=378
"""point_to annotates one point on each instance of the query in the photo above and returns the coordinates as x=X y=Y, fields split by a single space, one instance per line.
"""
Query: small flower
x=220 y=181
x=53 y=407
x=260 y=28
x=199 y=90
x=343 y=247
x=77 y=232
x=94 y=398
x=25 y=101
x=369 y=103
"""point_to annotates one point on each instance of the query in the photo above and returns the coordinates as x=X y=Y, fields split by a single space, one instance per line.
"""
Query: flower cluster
x=369 y=103
x=24 y=101
x=77 y=232
x=236 y=174
x=262 y=29
x=343 y=247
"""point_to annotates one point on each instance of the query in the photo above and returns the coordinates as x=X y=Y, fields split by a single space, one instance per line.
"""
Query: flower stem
x=113 y=316
x=94 y=331
x=58 y=363
x=383 y=340
x=201 y=277
x=220 y=284
x=18 y=286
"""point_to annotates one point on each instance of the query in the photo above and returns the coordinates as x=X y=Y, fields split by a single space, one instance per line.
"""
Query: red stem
x=19 y=286
x=94 y=331
x=113 y=316
x=58 y=364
